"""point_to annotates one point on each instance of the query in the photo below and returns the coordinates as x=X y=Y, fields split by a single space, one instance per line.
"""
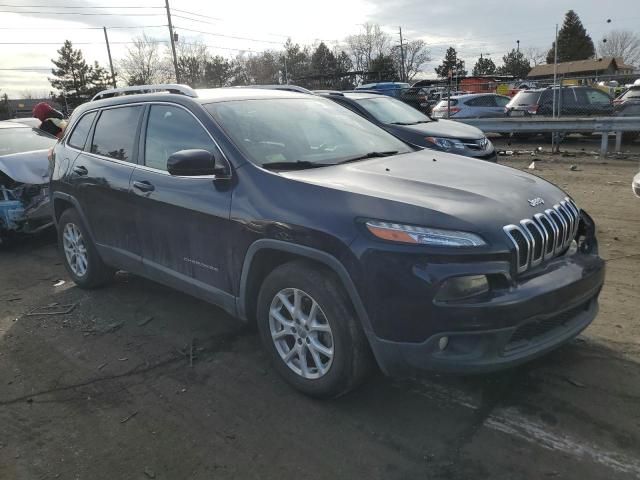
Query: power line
x=196 y=14
x=85 y=14
x=81 y=28
x=71 y=7
x=227 y=36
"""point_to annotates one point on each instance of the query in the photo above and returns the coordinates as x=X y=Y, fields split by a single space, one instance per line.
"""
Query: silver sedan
x=473 y=105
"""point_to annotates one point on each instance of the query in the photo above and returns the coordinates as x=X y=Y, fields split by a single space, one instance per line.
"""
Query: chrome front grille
x=545 y=235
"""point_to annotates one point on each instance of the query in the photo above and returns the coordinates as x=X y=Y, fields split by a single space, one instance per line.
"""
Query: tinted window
x=388 y=110
x=484 y=101
x=24 y=139
x=502 y=101
x=525 y=98
x=115 y=133
x=313 y=130
x=596 y=97
x=568 y=98
x=169 y=130
x=79 y=136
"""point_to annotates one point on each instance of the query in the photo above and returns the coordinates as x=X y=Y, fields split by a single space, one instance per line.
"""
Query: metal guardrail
x=602 y=125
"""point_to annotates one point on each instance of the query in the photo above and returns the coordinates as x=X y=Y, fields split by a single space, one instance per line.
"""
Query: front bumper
x=487 y=350
x=513 y=324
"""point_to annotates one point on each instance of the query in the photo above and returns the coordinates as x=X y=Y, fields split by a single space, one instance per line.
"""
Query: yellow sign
x=502 y=89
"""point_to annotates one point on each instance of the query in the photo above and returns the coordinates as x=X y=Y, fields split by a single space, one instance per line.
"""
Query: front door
x=182 y=221
x=102 y=173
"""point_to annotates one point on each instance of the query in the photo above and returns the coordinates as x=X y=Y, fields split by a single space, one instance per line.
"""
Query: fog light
x=459 y=288
x=443 y=342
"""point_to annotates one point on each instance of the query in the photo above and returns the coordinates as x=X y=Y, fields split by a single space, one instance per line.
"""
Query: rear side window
x=596 y=97
x=502 y=101
x=632 y=93
x=169 y=130
x=444 y=103
x=78 y=138
x=526 y=98
x=484 y=101
x=115 y=133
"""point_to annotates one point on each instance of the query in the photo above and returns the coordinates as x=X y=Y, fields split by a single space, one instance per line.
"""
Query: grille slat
x=544 y=236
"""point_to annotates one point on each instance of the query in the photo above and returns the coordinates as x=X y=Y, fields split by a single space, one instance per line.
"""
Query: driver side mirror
x=195 y=163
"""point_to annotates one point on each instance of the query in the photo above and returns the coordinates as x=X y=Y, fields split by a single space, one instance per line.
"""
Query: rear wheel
x=79 y=254
x=309 y=329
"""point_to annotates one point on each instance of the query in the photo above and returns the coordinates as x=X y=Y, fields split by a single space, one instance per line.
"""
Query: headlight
x=422 y=235
x=446 y=143
x=459 y=288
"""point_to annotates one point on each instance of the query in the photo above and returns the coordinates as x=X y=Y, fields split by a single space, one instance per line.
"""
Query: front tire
x=79 y=254
x=310 y=331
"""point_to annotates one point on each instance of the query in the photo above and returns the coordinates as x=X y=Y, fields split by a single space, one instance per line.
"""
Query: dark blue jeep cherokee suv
x=343 y=243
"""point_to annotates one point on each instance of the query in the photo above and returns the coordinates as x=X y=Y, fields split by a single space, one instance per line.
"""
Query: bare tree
x=535 y=55
x=416 y=55
x=192 y=61
x=143 y=64
x=623 y=44
x=368 y=45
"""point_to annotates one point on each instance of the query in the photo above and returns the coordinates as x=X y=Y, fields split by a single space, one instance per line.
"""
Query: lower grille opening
x=532 y=331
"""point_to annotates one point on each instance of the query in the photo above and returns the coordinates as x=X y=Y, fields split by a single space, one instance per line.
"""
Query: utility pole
x=553 y=89
x=402 y=68
x=173 y=43
x=518 y=42
x=113 y=75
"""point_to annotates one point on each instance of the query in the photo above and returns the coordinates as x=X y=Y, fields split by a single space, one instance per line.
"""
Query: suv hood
x=447 y=190
x=442 y=128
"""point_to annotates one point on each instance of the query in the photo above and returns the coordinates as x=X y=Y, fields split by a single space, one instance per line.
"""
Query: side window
x=502 y=101
x=474 y=102
x=596 y=97
x=547 y=97
x=169 y=130
x=115 y=133
x=568 y=97
x=78 y=138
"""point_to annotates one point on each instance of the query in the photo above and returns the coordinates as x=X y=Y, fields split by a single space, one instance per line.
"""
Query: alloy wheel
x=75 y=249
x=301 y=333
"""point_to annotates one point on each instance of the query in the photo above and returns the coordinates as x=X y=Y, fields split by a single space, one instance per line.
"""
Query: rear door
x=182 y=222
x=596 y=101
x=101 y=175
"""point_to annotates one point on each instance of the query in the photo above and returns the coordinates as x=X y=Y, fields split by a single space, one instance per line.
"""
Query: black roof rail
x=329 y=92
x=164 y=87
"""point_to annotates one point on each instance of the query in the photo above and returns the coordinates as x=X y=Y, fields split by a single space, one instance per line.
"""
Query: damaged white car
x=24 y=180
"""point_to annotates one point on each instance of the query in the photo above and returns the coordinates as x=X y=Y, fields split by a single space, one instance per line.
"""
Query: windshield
x=389 y=110
x=20 y=139
x=304 y=131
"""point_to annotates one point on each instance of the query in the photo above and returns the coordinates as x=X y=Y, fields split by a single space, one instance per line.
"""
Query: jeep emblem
x=534 y=202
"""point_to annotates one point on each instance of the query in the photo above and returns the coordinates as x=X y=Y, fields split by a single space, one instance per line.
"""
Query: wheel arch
x=63 y=201
x=266 y=254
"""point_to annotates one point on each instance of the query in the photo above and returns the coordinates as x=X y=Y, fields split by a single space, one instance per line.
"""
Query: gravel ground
x=139 y=381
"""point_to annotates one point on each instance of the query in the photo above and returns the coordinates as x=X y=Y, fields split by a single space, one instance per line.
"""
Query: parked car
x=435 y=97
x=415 y=97
x=635 y=184
x=630 y=95
x=570 y=101
x=415 y=127
x=29 y=121
x=393 y=89
x=476 y=105
x=24 y=178
x=343 y=243
x=629 y=107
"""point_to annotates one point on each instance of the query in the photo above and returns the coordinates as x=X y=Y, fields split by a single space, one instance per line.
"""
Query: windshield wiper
x=368 y=155
x=411 y=123
x=298 y=165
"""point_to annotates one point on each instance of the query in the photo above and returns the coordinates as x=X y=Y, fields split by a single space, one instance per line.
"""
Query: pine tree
x=451 y=64
x=484 y=66
x=573 y=41
x=516 y=64
x=72 y=76
x=323 y=61
x=383 y=68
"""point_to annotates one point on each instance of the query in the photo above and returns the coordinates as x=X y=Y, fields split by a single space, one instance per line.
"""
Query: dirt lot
x=110 y=390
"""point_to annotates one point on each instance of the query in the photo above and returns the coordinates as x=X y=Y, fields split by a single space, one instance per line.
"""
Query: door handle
x=80 y=170
x=144 y=186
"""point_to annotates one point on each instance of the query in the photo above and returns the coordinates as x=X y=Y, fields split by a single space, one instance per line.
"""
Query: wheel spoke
x=302 y=359
x=276 y=315
x=297 y=300
x=280 y=334
x=320 y=327
x=316 y=360
x=316 y=345
x=287 y=304
x=287 y=358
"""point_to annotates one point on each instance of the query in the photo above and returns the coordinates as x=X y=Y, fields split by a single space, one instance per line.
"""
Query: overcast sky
x=472 y=26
